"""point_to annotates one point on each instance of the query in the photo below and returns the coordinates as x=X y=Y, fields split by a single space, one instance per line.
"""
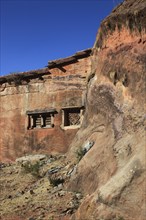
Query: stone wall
x=56 y=87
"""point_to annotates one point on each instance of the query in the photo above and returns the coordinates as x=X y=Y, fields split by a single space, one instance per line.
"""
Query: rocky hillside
x=103 y=175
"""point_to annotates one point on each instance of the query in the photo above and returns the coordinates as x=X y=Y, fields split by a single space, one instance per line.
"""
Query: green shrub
x=120 y=218
x=80 y=153
x=34 y=169
x=55 y=181
x=51 y=218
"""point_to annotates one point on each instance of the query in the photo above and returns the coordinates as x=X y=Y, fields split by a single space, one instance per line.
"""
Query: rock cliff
x=111 y=175
x=104 y=171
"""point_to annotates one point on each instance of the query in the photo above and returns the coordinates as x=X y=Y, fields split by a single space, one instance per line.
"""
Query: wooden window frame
x=46 y=120
x=65 y=117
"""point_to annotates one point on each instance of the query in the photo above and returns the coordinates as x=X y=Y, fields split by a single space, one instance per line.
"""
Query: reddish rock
x=111 y=175
x=61 y=84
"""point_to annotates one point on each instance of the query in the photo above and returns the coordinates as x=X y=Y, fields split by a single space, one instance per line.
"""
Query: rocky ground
x=34 y=188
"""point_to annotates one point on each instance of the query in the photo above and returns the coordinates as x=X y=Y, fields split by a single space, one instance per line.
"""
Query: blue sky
x=36 y=31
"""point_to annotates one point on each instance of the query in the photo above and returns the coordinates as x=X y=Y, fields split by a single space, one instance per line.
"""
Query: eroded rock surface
x=112 y=173
x=108 y=181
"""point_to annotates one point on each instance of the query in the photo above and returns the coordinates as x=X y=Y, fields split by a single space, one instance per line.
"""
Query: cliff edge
x=111 y=175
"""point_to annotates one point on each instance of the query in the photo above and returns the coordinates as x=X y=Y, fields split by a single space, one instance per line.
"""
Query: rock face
x=112 y=173
x=41 y=110
x=104 y=170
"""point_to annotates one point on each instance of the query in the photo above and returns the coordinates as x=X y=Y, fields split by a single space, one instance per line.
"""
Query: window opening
x=72 y=116
x=41 y=120
x=47 y=121
x=37 y=121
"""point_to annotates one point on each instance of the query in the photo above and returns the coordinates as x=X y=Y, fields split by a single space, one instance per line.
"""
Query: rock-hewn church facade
x=41 y=110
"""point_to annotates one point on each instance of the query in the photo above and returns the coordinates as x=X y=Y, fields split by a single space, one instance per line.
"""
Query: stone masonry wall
x=59 y=87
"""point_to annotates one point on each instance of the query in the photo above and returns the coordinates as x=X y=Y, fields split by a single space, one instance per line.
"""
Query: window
x=40 y=119
x=47 y=120
x=37 y=121
x=72 y=117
